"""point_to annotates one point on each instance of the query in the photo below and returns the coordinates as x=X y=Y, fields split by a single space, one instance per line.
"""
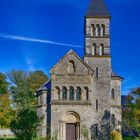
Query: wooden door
x=70 y=131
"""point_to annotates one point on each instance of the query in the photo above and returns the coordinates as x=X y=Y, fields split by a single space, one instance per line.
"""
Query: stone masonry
x=83 y=95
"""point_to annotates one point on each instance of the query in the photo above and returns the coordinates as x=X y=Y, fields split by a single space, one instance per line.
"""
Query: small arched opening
x=71 y=67
x=57 y=92
x=64 y=93
x=94 y=49
x=79 y=93
x=71 y=93
x=101 y=49
x=113 y=93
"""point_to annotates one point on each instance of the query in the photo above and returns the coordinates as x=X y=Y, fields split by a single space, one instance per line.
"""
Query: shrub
x=116 y=135
x=25 y=124
x=85 y=133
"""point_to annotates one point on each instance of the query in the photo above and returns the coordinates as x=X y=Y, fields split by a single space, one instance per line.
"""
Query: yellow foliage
x=116 y=135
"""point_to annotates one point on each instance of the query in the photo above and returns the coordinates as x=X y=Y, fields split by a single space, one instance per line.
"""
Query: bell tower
x=97 y=54
x=97 y=38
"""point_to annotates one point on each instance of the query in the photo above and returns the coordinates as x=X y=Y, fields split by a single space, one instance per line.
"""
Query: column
x=102 y=30
x=96 y=31
x=68 y=94
x=61 y=96
x=75 y=93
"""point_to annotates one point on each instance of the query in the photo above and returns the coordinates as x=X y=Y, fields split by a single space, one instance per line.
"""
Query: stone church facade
x=83 y=95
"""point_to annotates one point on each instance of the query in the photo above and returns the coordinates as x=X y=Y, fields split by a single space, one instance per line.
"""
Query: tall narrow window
x=78 y=95
x=101 y=49
x=71 y=93
x=96 y=105
x=113 y=93
x=98 y=30
x=96 y=130
x=92 y=30
x=71 y=67
x=103 y=30
x=64 y=93
x=97 y=72
x=57 y=91
x=94 y=47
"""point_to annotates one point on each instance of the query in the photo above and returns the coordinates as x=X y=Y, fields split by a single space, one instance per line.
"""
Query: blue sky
x=35 y=34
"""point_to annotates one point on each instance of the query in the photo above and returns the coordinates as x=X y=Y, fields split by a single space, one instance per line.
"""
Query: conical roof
x=98 y=8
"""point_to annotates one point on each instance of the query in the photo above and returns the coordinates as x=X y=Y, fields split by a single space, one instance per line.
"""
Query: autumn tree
x=23 y=87
x=6 y=111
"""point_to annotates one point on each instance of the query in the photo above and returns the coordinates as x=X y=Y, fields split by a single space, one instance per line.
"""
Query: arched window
x=113 y=93
x=64 y=93
x=101 y=49
x=87 y=93
x=71 y=67
x=78 y=95
x=92 y=30
x=94 y=49
x=71 y=93
x=98 y=30
x=57 y=90
x=103 y=30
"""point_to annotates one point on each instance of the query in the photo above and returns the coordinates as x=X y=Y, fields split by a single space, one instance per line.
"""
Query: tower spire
x=98 y=8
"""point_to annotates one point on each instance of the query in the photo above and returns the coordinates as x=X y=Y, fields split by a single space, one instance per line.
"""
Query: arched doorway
x=71 y=123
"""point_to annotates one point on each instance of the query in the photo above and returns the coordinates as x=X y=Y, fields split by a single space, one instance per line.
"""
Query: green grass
x=8 y=139
x=129 y=139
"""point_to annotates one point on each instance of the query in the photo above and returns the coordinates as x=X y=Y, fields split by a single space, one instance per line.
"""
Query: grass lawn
x=8 y=139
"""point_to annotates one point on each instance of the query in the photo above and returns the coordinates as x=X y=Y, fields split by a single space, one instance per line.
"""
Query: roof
x=113 y=74
x=124 y=100
x=74 y=53
x=46 y=86
x=98 y=8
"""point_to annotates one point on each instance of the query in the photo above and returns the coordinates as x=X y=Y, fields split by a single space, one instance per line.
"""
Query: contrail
x=22 y=38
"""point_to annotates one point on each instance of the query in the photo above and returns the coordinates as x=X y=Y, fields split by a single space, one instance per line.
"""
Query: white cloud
x=35 y=40
x=29 y=63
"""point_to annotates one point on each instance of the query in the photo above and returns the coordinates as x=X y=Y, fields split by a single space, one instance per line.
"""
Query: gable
x=71 y=63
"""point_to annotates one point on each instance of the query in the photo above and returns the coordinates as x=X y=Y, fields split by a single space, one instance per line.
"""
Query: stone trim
x=55 y=102
x=98 y=56
x=116 y=106
x=105 y=36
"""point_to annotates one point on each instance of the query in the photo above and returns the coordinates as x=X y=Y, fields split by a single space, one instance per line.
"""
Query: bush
x=116 y=135
x=85 y=133
x=25 y=124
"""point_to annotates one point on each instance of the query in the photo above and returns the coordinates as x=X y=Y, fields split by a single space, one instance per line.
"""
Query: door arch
x=71 y=126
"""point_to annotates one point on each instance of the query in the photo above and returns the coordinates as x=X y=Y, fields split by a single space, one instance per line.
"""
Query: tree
x=36 y=79
x=6 y=111
x=23 y=87
x=131 y=112
x=25 y=124
x=3 y=83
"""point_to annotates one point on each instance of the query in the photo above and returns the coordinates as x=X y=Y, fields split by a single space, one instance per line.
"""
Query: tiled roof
x=46 y=86
x=113 y=74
